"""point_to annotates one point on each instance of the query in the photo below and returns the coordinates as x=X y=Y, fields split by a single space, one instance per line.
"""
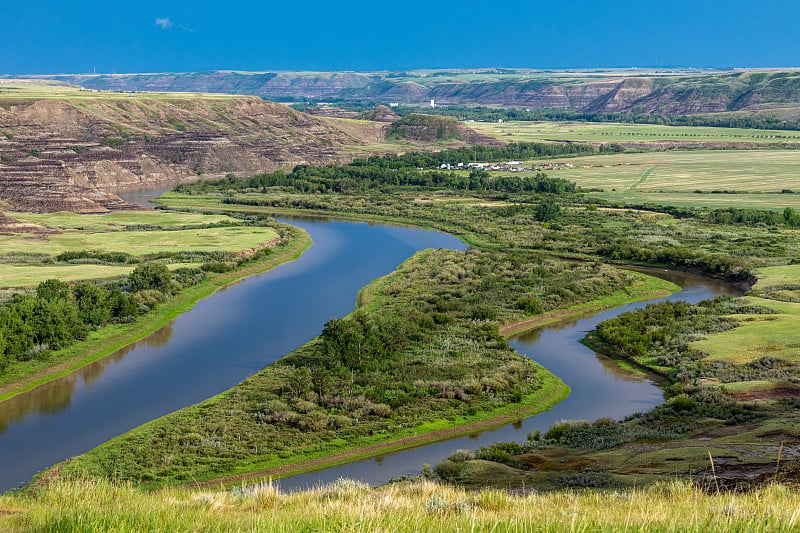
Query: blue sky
x=50 y=36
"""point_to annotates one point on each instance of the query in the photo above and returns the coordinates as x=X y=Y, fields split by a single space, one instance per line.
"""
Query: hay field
x=605 y=132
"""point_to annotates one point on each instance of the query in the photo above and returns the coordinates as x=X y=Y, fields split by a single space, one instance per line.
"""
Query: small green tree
x=791 y=218
x=92 y=301
x=53 y=289
x=151 y=276
x=547 y=210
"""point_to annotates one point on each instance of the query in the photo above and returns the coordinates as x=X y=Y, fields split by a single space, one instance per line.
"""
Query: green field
x=628 y=133
x=119 y=220
x=23 y=255
x=758 y=335
x=761 y=179
x=229 y=239
x=28 y=276
x=683 y=171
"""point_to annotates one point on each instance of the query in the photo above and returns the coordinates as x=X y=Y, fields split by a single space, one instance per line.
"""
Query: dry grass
x=416 y=506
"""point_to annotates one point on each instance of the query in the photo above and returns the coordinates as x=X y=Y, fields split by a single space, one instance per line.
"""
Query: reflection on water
x=54 y=396
x=599 y=388
x=221 y=341
x=49 y=398
x=144 y=196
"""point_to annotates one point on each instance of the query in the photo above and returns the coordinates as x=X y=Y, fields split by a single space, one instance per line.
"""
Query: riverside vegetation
x=422 y=352
x=149 y=268
x=528 y=233
x=518 y=212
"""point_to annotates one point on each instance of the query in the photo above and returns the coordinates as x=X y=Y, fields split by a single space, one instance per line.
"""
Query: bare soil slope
x=69 y=153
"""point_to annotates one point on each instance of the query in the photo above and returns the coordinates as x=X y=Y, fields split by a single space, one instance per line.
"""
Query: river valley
x=237 y=331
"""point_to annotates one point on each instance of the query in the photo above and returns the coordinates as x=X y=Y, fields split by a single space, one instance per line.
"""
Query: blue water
x=600 y=388
x=221 y=341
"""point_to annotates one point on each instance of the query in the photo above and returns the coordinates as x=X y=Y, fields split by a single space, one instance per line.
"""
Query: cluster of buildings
x=510 y=166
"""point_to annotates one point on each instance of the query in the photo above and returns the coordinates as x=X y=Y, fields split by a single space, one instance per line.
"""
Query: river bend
x=246 y=326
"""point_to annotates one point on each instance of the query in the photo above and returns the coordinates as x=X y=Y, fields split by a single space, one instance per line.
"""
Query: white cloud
x=164 y=23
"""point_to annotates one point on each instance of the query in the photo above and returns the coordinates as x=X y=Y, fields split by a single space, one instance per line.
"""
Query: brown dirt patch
x=767 y=394
x=10 y=226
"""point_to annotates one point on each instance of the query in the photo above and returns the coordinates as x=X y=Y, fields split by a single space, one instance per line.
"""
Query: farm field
x=712 y=170
x=120 y=220
x=227 y=239
x=629 y=133
x=24 y=256
x=761 y=179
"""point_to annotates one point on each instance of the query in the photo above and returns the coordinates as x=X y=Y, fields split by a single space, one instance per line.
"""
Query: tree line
x=409 y=170
x=493 y=114
x=57 y=314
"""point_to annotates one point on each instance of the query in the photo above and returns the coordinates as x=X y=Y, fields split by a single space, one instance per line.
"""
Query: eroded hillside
x=69 y=152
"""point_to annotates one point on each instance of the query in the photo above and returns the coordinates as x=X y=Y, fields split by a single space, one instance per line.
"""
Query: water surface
x=600 y=388
x=221 y=341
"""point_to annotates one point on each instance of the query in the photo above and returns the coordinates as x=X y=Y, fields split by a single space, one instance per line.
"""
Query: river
x=250 y=324
x=600 y=388
x=221 y=341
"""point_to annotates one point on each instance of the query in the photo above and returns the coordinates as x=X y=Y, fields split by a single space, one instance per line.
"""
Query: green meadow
x=603 y=132
x=27 y=258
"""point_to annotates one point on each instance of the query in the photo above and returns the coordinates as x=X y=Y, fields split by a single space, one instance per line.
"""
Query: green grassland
x=31 y=275
x=229 y=239
x=24 y=256
x=763 y=171
x=120 y=220
x=628 y=133
x=405 y=507
x=773 y=335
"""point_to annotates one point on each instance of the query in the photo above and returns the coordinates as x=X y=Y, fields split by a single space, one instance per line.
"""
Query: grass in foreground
x=411 y=506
